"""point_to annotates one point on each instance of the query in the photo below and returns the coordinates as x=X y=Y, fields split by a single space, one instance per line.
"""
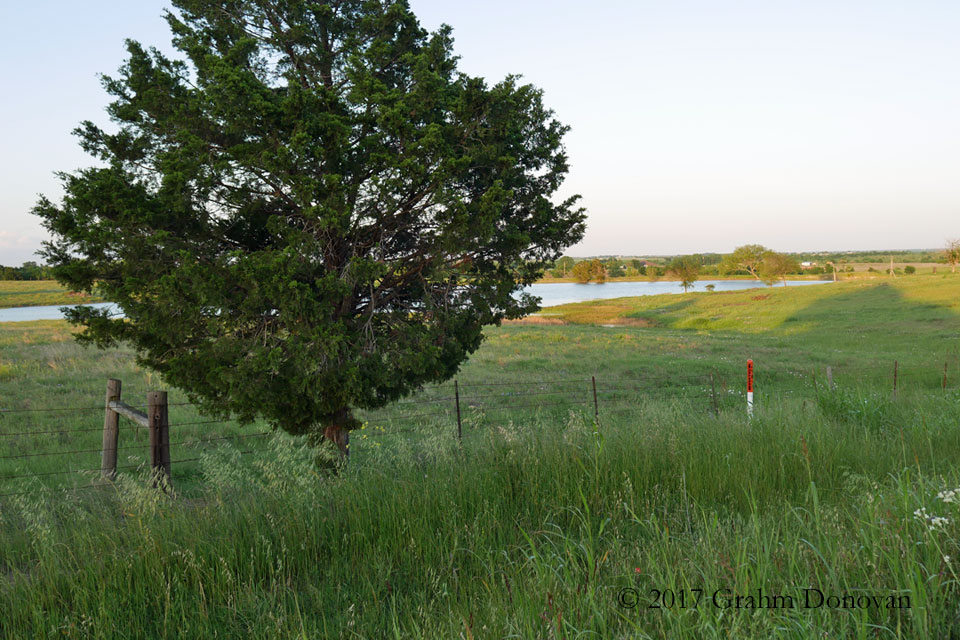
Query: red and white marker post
x=750 y=388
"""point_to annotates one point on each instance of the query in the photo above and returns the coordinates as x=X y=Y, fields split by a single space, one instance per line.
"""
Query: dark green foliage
x=26 y=271
x=909 y=269
x=315 y=211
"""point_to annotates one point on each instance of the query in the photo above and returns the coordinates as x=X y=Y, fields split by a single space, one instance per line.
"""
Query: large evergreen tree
x=313 y=211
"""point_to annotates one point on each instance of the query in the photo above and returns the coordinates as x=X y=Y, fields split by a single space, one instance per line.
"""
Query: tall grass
x=542 y=524
x=543 y=530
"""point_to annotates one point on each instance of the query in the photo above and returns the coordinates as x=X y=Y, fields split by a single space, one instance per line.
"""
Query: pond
x=551 y=294
x=566 y=292
x=23 y=314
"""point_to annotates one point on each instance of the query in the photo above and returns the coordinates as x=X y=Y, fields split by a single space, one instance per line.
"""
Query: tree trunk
x=337 y=430
x=340 y=436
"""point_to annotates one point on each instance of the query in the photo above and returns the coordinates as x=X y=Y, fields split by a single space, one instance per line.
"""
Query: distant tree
x=565 y=265
x=614 y=268
x=831 y=268
x=707 y=259
x=909 y=269
x=776 y=266
x=31 y=271
x=747 y=258
x=640 y=266
x=952 y=254
x=598 y=270
x=687 y=268
x=582 y=272
x=27 y=271
x=589 y=271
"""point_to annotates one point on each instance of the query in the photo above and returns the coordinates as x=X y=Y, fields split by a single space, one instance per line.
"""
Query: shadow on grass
x=880 y=315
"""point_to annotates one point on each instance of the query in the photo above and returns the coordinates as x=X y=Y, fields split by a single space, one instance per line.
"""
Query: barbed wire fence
x=30 y=458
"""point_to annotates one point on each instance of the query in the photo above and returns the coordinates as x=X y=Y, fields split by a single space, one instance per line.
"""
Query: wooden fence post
x=830 y=378
x=111 y=432
x=158 y=423
x=456 y=392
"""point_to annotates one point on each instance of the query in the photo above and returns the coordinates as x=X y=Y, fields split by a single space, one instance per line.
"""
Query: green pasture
x=541 y=522
x=27 y=293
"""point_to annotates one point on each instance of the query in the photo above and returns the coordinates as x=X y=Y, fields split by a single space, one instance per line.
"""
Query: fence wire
x=480 y=406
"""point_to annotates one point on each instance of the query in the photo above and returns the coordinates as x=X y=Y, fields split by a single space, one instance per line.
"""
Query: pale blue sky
x=696 y=125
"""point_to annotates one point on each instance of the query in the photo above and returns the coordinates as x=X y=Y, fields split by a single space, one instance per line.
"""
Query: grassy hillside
x=27 y=293
x=542 y=524
x=886 y=311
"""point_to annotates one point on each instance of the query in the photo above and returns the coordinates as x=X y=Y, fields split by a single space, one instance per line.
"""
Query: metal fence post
x=896 y=366
x=456 y=395
x=596 y=406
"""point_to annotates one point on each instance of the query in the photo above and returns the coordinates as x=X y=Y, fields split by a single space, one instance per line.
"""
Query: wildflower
x=933 y=522
x=946 y=559
x=953 y=495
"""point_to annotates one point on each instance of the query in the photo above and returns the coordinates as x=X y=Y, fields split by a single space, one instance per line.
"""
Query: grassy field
x=26 y=293
x=542 y=524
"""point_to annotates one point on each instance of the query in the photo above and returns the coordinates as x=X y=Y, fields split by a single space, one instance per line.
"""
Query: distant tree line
x=26 y=271
x=844 y=257
x=755 y=260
